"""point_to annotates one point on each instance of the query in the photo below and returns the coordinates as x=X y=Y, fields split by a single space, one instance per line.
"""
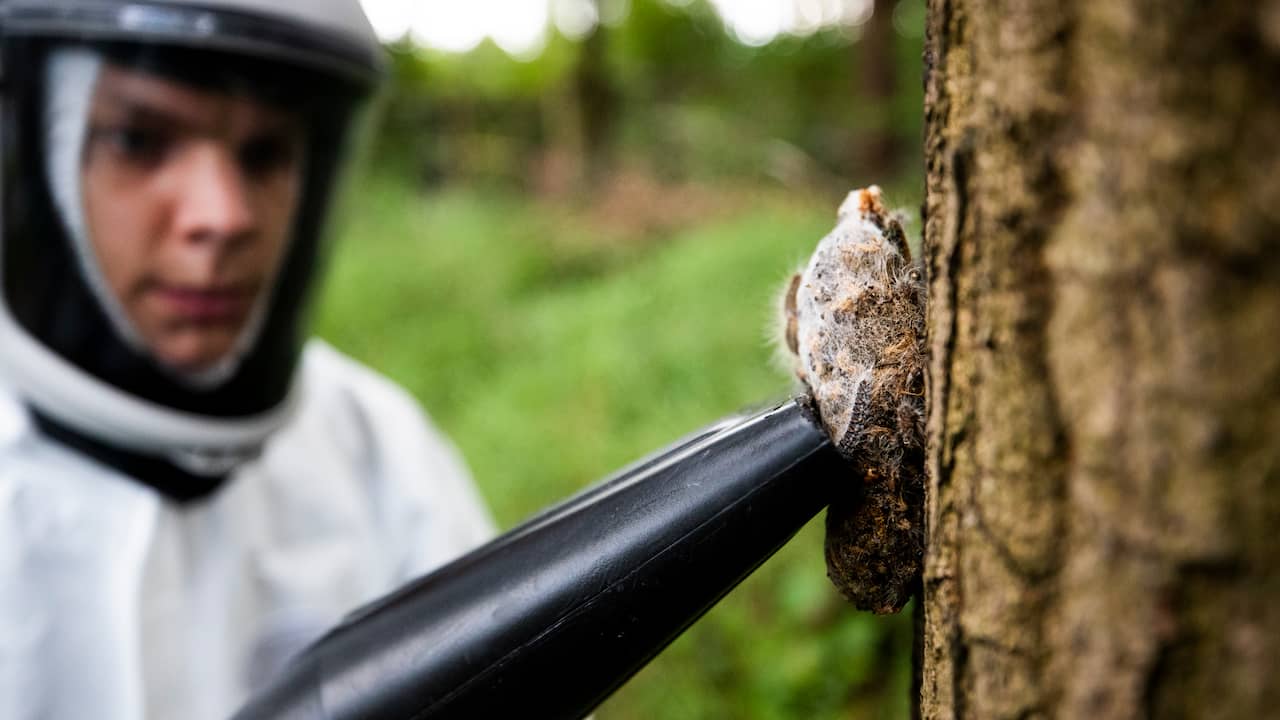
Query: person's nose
x=214 y=205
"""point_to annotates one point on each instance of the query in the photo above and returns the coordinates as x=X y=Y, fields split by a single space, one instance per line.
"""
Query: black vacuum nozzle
x=550 y=618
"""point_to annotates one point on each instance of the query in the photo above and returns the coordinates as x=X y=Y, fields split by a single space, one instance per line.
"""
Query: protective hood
x=167 y=174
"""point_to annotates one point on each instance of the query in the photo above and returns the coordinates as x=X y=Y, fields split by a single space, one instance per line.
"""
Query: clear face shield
x=161 y=235
x=179 y=202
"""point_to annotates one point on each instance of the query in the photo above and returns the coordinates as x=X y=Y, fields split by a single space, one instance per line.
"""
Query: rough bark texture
x=1102 y=214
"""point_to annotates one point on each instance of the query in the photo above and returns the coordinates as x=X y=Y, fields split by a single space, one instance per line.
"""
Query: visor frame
x=200 y=27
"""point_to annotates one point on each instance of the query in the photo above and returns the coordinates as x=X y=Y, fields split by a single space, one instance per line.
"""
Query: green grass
x=554 y=352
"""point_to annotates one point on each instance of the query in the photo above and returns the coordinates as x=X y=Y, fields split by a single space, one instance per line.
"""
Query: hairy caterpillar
x=854 y=330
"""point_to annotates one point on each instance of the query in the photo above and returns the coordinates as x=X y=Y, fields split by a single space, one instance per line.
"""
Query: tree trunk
x=598 y=101
x=878 y=148
x=1102 y=211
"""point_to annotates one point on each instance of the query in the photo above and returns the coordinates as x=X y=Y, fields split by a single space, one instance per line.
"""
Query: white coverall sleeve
x=431 y=508
x=441 y=516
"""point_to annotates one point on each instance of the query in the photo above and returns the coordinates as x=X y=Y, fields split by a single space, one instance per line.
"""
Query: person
x=190 y=490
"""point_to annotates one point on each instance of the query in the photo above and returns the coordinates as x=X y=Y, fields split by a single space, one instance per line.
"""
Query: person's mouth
x=214 y=305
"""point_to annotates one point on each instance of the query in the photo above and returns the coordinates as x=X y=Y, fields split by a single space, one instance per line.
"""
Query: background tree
x=1102 y=211
x=876 y=148
x=597 y=102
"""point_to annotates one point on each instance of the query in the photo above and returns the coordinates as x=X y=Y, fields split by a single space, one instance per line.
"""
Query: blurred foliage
x=557 y=331
x=694 y=103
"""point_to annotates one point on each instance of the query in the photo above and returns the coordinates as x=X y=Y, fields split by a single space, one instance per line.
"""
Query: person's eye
x=267 y=155
x=137 y=145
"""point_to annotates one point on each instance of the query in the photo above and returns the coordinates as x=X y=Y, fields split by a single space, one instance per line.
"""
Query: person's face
x=189 y=198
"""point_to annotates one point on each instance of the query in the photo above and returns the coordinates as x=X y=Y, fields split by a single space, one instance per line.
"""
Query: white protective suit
x=116 y=604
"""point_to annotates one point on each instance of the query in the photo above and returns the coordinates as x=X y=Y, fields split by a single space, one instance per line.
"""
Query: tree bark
x=1102 y=209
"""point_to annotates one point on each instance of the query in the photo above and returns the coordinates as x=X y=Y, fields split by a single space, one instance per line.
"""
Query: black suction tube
x=549 y=619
